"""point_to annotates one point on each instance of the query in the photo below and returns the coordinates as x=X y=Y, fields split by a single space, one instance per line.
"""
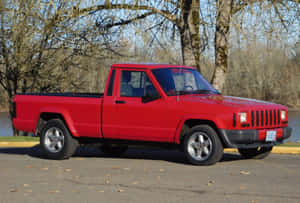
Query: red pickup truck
x=170 y=105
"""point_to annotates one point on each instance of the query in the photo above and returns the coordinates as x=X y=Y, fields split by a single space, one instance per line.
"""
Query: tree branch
x=280 y=17
x=242 y=4
x=78 y=12
x=124 y=22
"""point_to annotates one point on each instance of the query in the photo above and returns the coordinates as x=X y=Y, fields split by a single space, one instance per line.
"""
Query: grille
x=265 y=118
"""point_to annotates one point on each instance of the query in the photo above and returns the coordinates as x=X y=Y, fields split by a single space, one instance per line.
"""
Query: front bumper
x=251 y=138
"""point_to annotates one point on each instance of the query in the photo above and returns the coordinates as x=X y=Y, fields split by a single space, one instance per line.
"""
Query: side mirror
x=148 y=98
x=218 y=91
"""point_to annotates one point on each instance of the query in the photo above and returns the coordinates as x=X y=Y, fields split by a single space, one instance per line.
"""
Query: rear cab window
x=111 y=83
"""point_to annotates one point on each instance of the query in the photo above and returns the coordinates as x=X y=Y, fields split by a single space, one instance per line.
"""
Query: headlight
x=243 y=117
x=283 y=114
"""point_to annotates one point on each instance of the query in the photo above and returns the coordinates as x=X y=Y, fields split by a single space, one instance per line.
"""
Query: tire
x=114 y=150
x=255 y=153
x=56 y=140
x=202 y=146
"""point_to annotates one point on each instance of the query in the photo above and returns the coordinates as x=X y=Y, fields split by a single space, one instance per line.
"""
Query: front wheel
x=202 y=146
x=56 y=140
x=255 y=153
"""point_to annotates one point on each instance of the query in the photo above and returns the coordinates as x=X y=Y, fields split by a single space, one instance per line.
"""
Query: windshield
x=179 y=81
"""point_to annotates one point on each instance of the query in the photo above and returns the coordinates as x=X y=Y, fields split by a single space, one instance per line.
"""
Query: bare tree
x=226 y=9
x=184 y=15
x=40 y=50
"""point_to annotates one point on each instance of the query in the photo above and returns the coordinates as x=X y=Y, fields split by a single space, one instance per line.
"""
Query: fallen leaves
x=54 y=191
x=68 y=170
x=13 y=190
x=243 y=187
x=210 y=183
x=79 y=159
x=245 y=172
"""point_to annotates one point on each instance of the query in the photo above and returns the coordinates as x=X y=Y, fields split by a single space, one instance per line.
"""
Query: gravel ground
x=144 y=175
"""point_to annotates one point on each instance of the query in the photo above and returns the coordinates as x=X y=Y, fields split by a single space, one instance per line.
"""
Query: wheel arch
x=188 y=123
x=46 y=116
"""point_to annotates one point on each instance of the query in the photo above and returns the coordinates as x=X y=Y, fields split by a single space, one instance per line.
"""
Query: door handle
x=120 y=102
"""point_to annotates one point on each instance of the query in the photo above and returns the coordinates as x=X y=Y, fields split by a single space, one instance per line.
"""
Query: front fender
x=203 y=117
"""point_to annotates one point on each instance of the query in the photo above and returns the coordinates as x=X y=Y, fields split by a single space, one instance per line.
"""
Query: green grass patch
x=19 y=139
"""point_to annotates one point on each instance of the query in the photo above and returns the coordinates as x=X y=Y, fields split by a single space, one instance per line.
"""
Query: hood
x=228 y=101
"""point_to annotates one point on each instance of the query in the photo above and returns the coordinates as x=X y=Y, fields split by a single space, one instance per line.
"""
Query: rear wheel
x=202 y=146
x=56 y=140
x=114 y=150
x=255 y=153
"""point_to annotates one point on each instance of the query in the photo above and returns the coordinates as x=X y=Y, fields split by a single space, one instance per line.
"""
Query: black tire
x=209 y=140
x=67 y=147
x=113 y=150
x=255 y=153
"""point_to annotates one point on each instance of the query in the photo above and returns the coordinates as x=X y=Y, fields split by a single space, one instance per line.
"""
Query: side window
x=136 y=84
x=111 y=84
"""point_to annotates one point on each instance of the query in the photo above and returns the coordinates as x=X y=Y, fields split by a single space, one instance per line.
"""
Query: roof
x=149 y=65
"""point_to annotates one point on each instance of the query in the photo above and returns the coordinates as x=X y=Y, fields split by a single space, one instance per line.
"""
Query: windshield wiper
x=182 y=92
x=205 y=91
x=185 y=92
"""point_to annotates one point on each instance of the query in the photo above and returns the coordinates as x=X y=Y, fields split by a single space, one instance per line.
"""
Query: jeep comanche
x=168 y=105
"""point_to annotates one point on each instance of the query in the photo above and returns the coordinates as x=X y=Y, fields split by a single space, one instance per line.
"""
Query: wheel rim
x=54 y=139
x=199 y=146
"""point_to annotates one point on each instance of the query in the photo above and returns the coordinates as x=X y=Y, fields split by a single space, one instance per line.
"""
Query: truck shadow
x=132 y=153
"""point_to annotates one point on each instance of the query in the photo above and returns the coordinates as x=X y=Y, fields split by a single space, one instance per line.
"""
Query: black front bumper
x=249 y=138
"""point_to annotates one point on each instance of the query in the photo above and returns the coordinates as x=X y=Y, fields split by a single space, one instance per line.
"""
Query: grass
x=19 y=139
x=290 y=144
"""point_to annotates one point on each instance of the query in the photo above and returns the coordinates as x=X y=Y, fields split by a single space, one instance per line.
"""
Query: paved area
x=143 y=175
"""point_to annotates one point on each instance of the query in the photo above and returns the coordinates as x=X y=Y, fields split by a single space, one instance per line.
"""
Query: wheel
x=202 y=146
x=56 y=140
x=256 y=153
x=114 y=150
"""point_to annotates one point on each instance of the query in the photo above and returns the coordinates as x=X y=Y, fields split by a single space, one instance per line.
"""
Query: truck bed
x=80 y=111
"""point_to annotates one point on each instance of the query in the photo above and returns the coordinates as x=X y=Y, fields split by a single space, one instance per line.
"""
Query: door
x=140 y=109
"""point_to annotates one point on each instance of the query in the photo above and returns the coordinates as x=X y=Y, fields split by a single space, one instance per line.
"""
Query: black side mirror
x=148 y=98
x=218 y=91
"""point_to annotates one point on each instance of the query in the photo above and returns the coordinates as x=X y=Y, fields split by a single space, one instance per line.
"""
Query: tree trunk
x=189 y=33
x=223 y=19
